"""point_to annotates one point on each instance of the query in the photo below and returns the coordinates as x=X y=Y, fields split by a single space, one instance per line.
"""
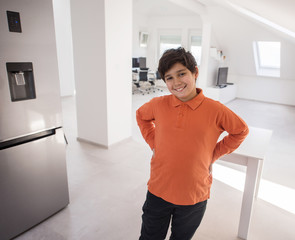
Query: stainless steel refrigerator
x=33 y=175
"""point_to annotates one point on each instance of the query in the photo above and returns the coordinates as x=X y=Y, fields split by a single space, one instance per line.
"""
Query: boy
x=182 y=129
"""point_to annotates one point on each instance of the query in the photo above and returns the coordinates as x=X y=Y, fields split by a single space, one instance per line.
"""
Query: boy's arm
x=145 y=120
x=237 y=131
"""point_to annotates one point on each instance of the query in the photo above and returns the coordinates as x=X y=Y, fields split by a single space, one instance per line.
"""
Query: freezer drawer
x=33 y=183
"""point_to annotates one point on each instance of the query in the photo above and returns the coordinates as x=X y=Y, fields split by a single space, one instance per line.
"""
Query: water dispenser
x=21 y=81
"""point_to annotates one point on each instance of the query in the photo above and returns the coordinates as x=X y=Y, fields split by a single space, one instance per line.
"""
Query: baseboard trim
x=92 y=143
x=79 y=139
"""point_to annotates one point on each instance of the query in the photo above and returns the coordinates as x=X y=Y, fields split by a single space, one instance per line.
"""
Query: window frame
x=167 y=32
x=197 y=33
x=266 y=71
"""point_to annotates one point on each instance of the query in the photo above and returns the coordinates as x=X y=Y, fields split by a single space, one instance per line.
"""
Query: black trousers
x=157 y=214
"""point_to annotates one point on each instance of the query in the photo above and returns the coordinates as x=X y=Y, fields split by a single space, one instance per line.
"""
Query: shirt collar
x=193 y=103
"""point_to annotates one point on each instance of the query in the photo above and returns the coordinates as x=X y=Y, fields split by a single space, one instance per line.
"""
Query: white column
x=118 y=17
x=206 y=41
x=102 y=38
x=63 y=33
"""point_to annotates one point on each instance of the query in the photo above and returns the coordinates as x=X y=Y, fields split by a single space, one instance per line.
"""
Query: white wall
x=266 y=89
x=139 y=24
x=63 y=32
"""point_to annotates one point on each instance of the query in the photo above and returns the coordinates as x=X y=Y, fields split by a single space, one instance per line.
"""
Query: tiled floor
x=108 y=187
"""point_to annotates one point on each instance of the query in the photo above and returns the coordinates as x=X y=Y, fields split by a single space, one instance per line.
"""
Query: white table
x=251 y=154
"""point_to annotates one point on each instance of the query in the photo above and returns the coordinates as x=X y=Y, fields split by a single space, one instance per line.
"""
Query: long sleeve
x=184 y=136
x=145 y=120
x=237 y=131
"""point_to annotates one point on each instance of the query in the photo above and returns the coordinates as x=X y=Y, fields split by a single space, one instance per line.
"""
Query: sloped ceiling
x=279 y=12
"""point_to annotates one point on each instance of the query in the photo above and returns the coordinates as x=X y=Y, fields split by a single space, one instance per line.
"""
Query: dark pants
x=157 y=214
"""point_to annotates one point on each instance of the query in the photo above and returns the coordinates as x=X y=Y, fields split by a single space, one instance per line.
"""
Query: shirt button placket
x=180 y=116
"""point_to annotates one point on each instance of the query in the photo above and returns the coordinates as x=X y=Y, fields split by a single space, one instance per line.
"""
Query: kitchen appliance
x=33 y=175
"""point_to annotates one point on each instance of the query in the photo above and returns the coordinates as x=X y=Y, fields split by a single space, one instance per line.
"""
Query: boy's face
x=181 y=82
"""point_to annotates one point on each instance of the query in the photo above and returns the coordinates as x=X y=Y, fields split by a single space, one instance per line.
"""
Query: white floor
x=108 y=187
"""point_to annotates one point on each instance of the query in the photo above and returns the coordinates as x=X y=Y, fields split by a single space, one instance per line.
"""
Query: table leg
x=260 y=168
x=248 y=196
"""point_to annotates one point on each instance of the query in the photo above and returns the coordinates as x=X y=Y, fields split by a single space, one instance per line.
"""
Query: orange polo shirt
x=184 y=138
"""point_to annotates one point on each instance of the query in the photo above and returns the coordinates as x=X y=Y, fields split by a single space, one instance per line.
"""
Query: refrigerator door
x=28 y=116
x=35 y=44
x=33 y=183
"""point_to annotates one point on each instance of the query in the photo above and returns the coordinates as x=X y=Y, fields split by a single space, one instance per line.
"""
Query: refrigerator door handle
x=26 y=139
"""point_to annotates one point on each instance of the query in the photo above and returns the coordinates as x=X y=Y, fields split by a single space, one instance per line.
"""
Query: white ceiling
x=280 y=12
x=160 y=8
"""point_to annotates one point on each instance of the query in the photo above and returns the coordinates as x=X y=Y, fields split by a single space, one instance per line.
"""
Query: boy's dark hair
x=172 y=56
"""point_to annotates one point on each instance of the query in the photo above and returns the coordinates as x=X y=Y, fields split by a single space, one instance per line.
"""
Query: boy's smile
x=181 y=82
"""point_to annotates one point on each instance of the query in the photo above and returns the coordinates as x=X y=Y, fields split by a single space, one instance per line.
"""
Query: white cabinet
x=223 y=95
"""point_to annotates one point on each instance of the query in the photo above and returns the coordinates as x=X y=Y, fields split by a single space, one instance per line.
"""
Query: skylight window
x=267 y=58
